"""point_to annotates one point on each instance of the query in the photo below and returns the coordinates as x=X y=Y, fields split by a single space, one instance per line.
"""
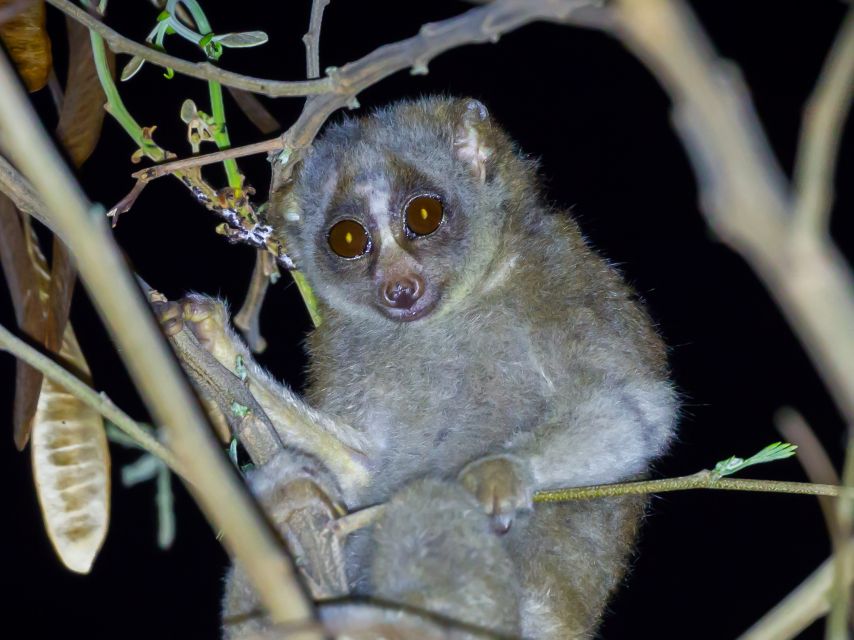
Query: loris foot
x=301 y=499
x=502 y=485
x=207 y=319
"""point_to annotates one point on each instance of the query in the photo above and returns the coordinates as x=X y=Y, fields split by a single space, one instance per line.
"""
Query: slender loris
x=478 y=350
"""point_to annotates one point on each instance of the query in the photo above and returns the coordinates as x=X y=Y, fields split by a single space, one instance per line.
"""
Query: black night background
x=709 y=563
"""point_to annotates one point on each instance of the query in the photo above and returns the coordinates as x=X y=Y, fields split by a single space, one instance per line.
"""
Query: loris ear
x=469 y=139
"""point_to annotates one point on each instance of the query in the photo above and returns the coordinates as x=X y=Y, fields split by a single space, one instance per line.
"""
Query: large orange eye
x=424 y=215
x=349 y=239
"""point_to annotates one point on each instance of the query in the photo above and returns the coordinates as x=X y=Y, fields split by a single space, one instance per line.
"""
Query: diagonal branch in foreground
x=211 y=477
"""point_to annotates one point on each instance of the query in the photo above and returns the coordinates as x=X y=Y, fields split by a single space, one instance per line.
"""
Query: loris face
x=397 y=215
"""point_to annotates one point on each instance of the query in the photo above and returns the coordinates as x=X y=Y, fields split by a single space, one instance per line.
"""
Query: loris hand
x=502 y=484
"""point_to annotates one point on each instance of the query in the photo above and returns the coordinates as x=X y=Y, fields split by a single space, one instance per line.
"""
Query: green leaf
x=241 y=39
x=775 y=451
x=188 y=111
x=144 y=468
x=239 y=410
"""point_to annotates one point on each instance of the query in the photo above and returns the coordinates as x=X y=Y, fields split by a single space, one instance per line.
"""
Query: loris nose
x=402 y=292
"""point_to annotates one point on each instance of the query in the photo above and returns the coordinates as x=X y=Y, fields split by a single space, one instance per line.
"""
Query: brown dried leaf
x=23 y=280
x=27 y=42
x=71 y=467
x=82 y=112
x=63 y=277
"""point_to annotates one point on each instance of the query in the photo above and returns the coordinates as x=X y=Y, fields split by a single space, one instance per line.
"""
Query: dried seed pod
x=71 y=467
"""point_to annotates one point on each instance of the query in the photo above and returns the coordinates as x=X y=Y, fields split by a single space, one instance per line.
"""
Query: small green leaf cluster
x=169 y=23
x=775 y=451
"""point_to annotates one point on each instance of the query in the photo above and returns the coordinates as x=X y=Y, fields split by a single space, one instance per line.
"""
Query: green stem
x=308 y=298
x=221 y=134
x=115 y=106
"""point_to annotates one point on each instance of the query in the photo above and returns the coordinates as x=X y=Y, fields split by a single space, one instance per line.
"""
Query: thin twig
x=821 y=132
x=803 y=606
x=202 y=70
x=312 y=39
x=481 y=24
x=211 y=477
x=252 y=108
x=248 y=319
x=91 y=398
x=160 y=170
x=701 y=480
x=124 y=205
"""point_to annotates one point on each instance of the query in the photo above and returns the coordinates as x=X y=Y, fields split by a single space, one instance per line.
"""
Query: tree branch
x=312 y=39
x=481 y=24
x=743 y=192
x=248 y=319
x=212 y=479
x=200 y=70
x=821 y=131
x=814 y=460
x=747 y=202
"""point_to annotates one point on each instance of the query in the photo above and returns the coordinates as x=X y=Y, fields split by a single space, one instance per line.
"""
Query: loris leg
x=300 y=500
x=434 y=549
x=341 y=448
x=570 y=558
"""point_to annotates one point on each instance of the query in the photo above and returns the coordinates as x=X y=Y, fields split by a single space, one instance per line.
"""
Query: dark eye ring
x=424 y=214
x=349 y=239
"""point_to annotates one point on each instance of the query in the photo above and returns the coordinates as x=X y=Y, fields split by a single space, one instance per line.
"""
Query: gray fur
x=536 y=358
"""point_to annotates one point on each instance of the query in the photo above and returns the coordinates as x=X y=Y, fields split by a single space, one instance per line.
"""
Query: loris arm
x=604 y=431
x=343 y=450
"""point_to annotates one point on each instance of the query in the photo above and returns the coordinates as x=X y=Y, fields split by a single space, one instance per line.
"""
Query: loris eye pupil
x=349 y=239
x=424 y=214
